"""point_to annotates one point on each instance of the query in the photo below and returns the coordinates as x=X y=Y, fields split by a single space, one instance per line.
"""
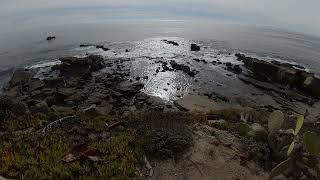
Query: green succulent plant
x=297 y=159
x=275 y=121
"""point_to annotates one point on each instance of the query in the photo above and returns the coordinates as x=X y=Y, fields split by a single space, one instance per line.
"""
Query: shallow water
x=143 y=40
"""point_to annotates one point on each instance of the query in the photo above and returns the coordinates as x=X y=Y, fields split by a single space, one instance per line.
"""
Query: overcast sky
x=295 y=15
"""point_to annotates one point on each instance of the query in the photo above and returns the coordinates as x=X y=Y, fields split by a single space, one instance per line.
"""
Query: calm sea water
x=29 y=47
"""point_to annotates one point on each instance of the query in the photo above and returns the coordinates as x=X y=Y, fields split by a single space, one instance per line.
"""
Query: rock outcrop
x=283 y=74
x=171 y=42
x=183 y=68
x=50 y=38
x=79 y=67
x=195 y=47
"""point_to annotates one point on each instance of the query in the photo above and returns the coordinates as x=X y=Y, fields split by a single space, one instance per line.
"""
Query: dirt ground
x=214 y=155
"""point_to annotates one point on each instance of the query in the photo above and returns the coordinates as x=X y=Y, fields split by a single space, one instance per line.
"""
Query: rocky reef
x=285 y=74
x=80 y=120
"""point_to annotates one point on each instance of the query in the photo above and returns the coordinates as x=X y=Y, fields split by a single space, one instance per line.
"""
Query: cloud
x=293 y=15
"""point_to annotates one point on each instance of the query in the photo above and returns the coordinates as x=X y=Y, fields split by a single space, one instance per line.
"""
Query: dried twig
x=115 y=124
x=197 y=166
x=54 y=123
x=149 y=167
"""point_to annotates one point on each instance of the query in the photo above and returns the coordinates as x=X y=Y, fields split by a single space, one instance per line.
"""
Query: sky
x=293 y=15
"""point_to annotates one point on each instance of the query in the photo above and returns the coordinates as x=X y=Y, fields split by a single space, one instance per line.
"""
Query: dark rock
x=78 y=67
x=127 y=50
x=40 y=107
x=142 y=97
x=8 y=104
x=311 y=84
x=49 y=38
x=145 y=77
x=237 y=69
x=171 y=42
x=137 y=78
x=64 y=93
x=105 y=49
x=55 y=82
x=20 y=77
x=200 y=60
x=283 y=74
x=130 y=89
x=86 y=45
x=195 y=47
x=102 y=47
x=186 y=69
x=36 y=84
x=169 y=106
x=228 y=64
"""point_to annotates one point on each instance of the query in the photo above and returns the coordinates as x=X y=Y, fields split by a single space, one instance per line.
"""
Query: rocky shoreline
x=79 y=90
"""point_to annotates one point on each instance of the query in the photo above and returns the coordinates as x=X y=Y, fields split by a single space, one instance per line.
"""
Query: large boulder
x=183 y=68
x=20 y=77
x=35 y=84
x=130 y=89
x=8 y=104
x=40 y=107
x=79 y=67
x=283 y=74
x=312 y=84
x=195 y=47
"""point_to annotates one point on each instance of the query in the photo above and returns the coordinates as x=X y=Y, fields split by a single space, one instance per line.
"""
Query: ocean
x=29 y=47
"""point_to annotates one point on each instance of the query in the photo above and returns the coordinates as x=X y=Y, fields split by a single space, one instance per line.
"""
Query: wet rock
x=55 y=82
x=312 y=84
x=200 y=60
x=171 y=42
x=64 y=93
x=195 y=47
x=169 y=106
x=186 y=69
x=165 y=66
x=40 y=107
x=36 y=85
x=86 y=45
x=105 y=49
x=78 y=67
x=130 y=89
x=142 y=97
x=228 y=64
x=283 y=74
x=237 y=69
x=234 y=68
x=49 y=38
x=20 y=77
x=102 y=47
